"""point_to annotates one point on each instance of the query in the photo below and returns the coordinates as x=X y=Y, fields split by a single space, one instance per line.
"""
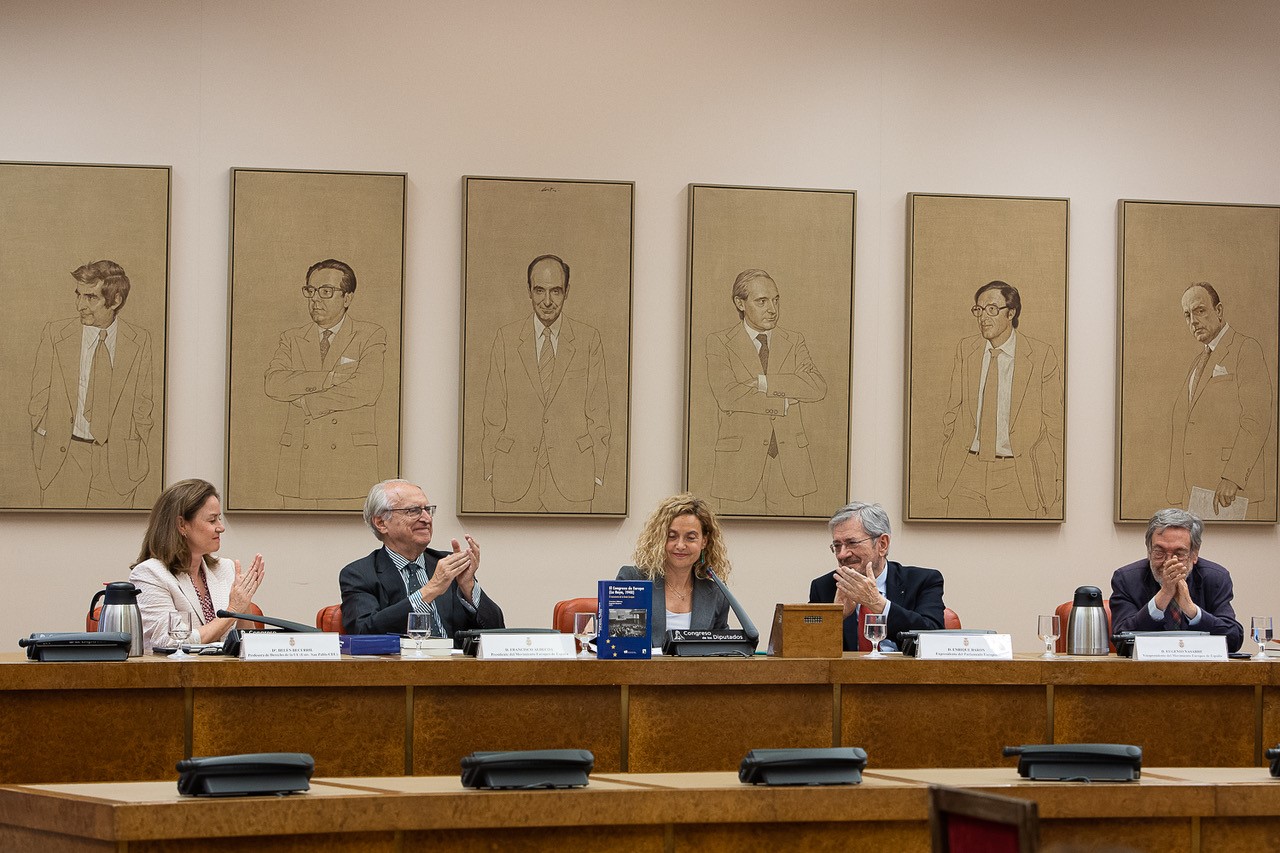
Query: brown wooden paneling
x=1239 y=834
x=597 y=839
x=1270 y=718
x=1176 y=726
x=930 y=725
x=349 y=731
x=18 y=840
x=1165 y=835
x=686 y=727
x=90 y=735
x=879 y=836
x=450 y=722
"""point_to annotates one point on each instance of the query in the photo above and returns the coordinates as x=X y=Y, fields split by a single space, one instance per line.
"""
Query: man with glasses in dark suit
x=404 y=575
x=866 y=581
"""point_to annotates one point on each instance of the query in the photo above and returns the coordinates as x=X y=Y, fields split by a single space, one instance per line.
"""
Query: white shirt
x=678 y=621
x=88 y=345
x=1210 y=347
x=334 y=328
x=1004 y=392
x=542 y=333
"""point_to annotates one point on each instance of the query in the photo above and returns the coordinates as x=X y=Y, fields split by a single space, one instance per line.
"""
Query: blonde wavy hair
x=651 y=547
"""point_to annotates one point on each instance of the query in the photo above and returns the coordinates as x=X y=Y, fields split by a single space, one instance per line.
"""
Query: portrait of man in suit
x=546 y=404
x=330 y=372
x=1222 y=412
x=1001 y=451
x=91 y=398
x=760 y=375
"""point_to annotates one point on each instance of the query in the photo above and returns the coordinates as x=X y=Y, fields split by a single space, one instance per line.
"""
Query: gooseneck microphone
x=748 y=627
x=295 y=627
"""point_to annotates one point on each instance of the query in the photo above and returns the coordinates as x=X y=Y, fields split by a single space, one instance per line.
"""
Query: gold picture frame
x=1197 y=341
x=767 y=423
x=86 y=249
x=314 y=375
x=967 y=257
x=545 y=403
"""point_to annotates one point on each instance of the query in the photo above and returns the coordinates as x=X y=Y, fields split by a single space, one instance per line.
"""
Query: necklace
x=681 y=595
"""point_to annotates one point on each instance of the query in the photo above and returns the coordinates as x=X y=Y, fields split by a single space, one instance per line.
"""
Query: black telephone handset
x=231 y=643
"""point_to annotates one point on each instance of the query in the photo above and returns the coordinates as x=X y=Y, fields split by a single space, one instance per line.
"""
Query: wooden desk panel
x=450 y=722
x=90 y=735
x=954 y=725
x=711 y=727
x=355 y=730
x=1176 y=726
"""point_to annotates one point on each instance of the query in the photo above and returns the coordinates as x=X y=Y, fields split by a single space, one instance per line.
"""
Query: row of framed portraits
x=317 y=324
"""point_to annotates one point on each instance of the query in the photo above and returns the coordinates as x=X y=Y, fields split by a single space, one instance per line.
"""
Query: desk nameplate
x=1204 y=647
x=947 y=646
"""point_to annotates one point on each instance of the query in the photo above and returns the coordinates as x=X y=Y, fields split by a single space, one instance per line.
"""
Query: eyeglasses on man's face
x=325 y=292
x=992 y=310
x=848 y=544
x=413 y=513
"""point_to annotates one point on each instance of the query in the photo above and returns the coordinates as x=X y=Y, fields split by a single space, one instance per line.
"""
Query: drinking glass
x=874 y=626
x=180 y=630
x=1260 y=627
x=584 y=628
x=419 y=629
x=1049 y=629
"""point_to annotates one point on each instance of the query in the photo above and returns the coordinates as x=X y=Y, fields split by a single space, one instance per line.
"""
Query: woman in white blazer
x=177 y=568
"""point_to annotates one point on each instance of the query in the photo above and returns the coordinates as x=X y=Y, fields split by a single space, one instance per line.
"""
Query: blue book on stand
x=625 y=623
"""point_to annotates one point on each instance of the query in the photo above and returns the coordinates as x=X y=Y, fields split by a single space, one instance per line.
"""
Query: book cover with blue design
x=625 y=608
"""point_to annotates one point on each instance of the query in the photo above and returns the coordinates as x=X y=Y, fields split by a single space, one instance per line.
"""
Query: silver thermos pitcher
x=120 y=612
x=1087 y=630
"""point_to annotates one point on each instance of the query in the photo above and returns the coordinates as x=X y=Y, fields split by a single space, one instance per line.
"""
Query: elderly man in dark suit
x=866 y=581
x=380 y=590
x=1174 y=589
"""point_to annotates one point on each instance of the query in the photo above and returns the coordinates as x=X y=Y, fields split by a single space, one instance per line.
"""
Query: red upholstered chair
x=950 y=619
x=91 y=621
x=562 y=614
x=965 y=821
x=330 y=618
x=1064 y=619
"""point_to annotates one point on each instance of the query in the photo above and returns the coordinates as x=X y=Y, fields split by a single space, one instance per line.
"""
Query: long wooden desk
x=133 y=720
x=1196 y=810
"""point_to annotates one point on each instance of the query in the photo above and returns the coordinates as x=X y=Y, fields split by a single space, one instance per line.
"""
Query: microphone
x=727 y=643
x=748 y=627
x=271 y=620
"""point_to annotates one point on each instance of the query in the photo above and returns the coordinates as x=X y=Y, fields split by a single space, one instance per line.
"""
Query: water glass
x=180 y=630
x=874 y=626
x=1050 y=629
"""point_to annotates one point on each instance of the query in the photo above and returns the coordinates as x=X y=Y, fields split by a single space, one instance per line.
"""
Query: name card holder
x=959 y=646
x=275 y=645
x=526 y=647
x=1199 y=647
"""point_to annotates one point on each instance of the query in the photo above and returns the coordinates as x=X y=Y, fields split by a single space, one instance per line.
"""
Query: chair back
x=330 y=618
x=562 y=614
x=1064 y=619
x=950 y=619
x=964 y=821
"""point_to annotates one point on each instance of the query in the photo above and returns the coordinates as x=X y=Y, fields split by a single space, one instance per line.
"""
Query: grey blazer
x=710 y=607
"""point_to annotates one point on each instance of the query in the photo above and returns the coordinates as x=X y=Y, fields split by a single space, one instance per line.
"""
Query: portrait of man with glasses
x=330 y=372
x=1002 y=429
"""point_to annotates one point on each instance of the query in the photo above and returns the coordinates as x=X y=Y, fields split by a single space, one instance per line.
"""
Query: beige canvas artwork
x=86 y=256
x=1196 y=387
x=546 y=343
x=317 y=282
x=987 y=328
x=770 y=341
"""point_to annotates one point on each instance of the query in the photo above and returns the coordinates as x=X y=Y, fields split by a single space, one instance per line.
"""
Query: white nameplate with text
x=273 y=645
x=1203 y=647
x=964 y=647
x=526 y=646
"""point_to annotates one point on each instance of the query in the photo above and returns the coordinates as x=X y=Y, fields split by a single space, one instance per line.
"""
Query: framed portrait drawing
x=314 y=339
x=546 y=347
x=769 y=349
x=986 y=358
x=86 y=257
x=1197 y=343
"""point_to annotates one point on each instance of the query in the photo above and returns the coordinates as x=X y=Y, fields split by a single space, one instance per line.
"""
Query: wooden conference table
x=372 y=717
x=1197 y=810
